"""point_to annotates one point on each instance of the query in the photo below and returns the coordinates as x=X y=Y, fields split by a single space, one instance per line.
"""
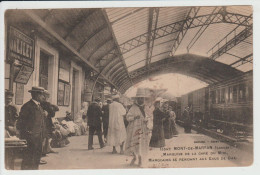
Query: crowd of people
x=133 y=129
x=34 y=124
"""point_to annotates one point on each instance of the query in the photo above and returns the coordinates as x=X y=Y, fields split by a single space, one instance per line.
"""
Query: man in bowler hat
x=32 y=128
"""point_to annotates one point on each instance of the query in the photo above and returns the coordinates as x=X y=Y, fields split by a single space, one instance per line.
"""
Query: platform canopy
x=123 y=46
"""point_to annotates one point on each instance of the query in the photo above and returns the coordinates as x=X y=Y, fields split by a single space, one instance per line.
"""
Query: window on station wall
x=235 y=97
x=64 y=83
x=63 y=94
x=44 y=64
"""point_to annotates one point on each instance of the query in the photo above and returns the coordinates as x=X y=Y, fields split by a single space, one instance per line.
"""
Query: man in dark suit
x=94 y=115
x=32 y=128
x=105 y=117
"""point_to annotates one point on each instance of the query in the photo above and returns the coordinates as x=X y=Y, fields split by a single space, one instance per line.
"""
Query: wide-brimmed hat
x=158 y=99
x=46 y=92
x=141 y=92
x=37 y=89
x=164 y=100
x=98 y=99
x=115 y=96
x=109 y=99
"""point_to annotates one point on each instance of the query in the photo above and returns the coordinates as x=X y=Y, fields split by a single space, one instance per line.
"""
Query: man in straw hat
x=94 y=115
x=137 y=141
x=116 y=128
x=32 y=126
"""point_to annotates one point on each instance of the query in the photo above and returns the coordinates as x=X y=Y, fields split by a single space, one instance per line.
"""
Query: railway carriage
x=225 y=107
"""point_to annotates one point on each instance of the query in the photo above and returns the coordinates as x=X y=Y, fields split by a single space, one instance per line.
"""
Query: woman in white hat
x=137 y=141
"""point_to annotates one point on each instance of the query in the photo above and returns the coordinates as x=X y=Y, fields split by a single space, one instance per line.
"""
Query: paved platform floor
x=185 y=150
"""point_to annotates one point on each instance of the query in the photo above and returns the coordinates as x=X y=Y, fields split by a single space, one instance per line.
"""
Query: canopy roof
x=123 y=46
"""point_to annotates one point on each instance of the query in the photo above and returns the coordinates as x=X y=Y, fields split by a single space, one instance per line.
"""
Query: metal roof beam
x=116 y=43
x=123 y=76
x=242 y=59
x=116 y=73
x=184 y=28
x=78 y=22
x=152 y=25
x=114 y=67
x=169 y=29
x=125 y=84
x=120 y=78
x=97 y=47
x=248 y=60
x=91 y=36
x=126 y=15
x=221 y=49
x=203 y=28
x=36 y=19
x=112 y=63
x=105 y=55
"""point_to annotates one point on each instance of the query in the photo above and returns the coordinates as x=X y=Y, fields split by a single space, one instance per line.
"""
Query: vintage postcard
x=128 y=87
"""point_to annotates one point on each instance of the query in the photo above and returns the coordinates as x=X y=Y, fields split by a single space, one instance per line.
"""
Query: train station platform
x=185 y=150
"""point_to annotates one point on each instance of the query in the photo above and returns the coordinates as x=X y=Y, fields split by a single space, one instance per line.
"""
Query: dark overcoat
x=51 y=109
x=32 y=129
x=157 y=139
x=94 y=114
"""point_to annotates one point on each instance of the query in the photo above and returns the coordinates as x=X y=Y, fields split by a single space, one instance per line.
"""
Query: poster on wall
x=20 y=47
x=64 y=75
x=19 y=93
x=64 y=70
x=24 y=75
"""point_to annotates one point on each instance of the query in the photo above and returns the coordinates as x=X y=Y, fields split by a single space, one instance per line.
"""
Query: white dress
x=116 y=127
x=137 y=140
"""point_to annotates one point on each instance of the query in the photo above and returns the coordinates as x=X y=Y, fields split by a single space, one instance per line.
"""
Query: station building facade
x=31 y=60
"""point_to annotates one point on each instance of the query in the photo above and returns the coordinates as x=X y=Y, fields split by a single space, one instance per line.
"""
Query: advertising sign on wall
x=20 y=47
x=24 y=75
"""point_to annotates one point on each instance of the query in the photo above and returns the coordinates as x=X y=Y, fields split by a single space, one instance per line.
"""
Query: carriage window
x=218 y=96
x=250 y=91
x=230 y=91
x=213 y=97
x=242 y=93
x=227 y=94
x=235 y=90
x=222 y=95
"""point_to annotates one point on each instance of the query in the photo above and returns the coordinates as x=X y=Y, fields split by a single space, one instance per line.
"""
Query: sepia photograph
x=128 y=87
